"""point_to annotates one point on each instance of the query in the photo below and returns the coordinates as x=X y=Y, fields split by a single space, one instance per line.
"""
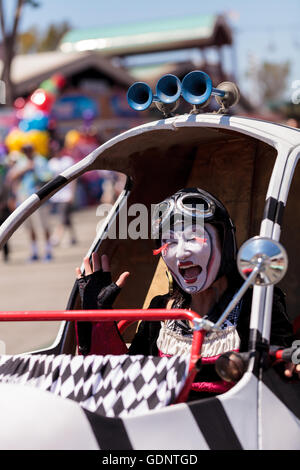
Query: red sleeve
x=105 y=339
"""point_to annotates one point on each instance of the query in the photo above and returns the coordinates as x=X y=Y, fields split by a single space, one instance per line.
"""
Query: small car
x=73 y=401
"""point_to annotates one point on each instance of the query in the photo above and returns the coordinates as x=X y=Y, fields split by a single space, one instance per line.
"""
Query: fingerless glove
x=98 y=292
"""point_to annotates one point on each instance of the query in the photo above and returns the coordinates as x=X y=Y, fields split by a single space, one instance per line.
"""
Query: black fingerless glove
x=107 y=296
x=90 y=286
x=91 y=299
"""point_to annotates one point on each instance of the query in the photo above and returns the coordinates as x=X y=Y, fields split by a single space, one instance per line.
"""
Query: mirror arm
x=238 y=296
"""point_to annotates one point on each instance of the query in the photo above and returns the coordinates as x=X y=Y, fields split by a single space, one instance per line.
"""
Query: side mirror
x=261 y=261
x=264 y=256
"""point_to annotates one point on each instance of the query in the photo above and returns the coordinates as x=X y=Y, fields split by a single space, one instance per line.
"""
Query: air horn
x=197 y=90
x=139 y=96
x=168 y=91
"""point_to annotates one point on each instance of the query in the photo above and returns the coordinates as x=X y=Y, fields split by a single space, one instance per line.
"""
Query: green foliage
x=50 y=40
x=33 y=41
x=27 y=41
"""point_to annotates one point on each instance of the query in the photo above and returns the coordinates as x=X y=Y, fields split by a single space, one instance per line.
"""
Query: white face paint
x=193 y=257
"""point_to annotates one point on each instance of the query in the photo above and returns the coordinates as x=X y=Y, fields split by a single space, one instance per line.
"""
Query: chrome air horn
x=197 y=89
x=168 y=90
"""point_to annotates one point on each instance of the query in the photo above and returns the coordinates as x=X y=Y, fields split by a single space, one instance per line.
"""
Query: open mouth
x=189 y=271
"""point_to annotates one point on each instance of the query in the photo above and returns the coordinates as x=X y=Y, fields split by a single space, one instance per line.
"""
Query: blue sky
x=264 y=29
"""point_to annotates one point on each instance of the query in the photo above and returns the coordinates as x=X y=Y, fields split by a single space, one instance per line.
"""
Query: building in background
x=95 y=88
x=148 y=50
x=186 y=35
x=100 y=64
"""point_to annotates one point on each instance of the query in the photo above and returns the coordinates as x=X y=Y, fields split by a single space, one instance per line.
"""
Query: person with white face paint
x=195 y=235
x=193 y=258
x=196 y=239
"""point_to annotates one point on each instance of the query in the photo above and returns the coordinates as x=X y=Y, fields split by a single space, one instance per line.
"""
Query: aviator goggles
x=180 y=210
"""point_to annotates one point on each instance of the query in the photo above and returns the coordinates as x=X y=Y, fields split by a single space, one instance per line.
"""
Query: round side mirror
x=266 y=256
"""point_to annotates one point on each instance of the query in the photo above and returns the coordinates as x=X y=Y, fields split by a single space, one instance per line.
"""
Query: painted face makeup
x=193 y=257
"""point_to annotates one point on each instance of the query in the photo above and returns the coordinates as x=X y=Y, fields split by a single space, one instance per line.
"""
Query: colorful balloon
x=72 y=138
x=15 y=140
x=49 y=85
x=40 y=140
x=33 y=116
x=59 y=80
x=42 y=99
x=40 y=122
x=19 y=103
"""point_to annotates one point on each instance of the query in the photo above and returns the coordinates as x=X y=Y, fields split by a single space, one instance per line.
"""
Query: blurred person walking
x=6 y=197
x=29 y=173
x=63 y=200
x=113 y=185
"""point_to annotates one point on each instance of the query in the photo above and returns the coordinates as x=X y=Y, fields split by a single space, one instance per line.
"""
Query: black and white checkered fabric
x=107 y=385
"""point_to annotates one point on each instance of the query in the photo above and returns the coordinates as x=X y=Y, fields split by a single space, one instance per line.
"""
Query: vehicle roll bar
x=126 y=316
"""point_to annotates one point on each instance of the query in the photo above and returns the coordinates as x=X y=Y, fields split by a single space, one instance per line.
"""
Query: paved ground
x=41 y=285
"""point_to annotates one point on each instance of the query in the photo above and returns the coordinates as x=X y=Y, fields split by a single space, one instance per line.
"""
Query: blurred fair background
x=66 y=67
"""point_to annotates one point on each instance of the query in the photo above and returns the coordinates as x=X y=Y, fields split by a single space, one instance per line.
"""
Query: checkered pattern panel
x=107 y=385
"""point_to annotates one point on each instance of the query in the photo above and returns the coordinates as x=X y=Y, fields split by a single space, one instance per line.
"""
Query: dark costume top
x=104 y=337
x=145 y=339
x=207 y=382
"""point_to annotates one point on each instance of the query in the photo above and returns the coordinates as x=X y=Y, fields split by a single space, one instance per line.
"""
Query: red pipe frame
x=98 y=315
x=126 y=316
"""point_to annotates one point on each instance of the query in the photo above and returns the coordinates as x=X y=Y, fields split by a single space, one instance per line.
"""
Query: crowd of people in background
x=24 y=172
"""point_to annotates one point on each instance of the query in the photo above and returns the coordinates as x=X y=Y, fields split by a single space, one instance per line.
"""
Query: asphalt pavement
x=40 y=285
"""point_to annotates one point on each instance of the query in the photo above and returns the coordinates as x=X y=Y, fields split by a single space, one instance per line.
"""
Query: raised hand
x=97 y=291
x=96 y=266
x=96 y=280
